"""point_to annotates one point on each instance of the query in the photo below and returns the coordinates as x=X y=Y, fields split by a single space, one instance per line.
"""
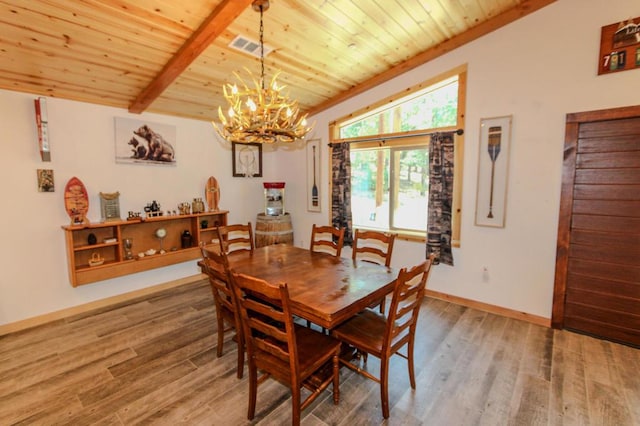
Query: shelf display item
x=184 y=208
x=197 y=206
x=153 y=209
x=274 y=198
x=96 y=260
x=212 y=194
x=110 y=206
x=76 y=201
x=128 y=245
x=161 y=234
x=186 y=239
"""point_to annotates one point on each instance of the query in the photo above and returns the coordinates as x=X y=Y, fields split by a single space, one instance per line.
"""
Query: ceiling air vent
x=252 y=47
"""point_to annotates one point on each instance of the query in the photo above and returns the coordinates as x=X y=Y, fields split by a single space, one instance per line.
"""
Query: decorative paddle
x=314 y=189
x=495 y=137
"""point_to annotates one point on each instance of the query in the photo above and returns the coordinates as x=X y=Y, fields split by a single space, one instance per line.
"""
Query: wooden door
x=597 y=281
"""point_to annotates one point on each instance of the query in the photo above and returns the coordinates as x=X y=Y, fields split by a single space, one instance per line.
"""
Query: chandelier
x=259 y=114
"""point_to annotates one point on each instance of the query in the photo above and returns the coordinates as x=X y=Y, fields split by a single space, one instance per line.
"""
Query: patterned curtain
x=341 y=190
x=440 y=197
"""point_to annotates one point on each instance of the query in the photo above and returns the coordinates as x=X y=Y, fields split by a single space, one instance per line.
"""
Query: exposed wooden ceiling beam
x=221 y=17
x=522 y=9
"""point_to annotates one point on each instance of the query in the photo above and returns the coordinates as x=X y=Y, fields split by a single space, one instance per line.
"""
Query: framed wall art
x=45 y=180
x=247 y=159
x=143 y=142
x=493 y=171
x=313 y=175
x=620 y=46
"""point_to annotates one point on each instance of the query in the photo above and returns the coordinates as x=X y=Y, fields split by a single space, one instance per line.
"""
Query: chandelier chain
x=261 y=49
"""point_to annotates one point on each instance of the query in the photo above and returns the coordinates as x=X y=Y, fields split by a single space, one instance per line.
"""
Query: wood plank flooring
x=152 y=361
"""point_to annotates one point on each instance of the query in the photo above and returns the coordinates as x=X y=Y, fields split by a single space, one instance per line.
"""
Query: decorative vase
x=186 y=239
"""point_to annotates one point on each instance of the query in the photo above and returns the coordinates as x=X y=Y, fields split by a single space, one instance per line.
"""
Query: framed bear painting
x=143 y=142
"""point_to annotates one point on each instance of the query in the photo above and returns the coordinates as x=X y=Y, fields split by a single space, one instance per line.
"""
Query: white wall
x=537 y=69
x=32 y=254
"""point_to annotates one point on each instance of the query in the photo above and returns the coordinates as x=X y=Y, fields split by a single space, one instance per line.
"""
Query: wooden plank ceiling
x=172 y=57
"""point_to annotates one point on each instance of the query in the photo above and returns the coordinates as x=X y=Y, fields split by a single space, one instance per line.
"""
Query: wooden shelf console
x=110 y=238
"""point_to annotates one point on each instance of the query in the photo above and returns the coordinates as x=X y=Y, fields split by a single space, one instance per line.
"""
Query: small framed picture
x=45 y=180
x=247 y=159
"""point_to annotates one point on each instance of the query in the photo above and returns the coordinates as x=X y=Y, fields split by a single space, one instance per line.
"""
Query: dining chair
x=375 y=247
x=327 y=239
x=370 y=332
x=292 y=354
x=216 y=266
x=236 y=237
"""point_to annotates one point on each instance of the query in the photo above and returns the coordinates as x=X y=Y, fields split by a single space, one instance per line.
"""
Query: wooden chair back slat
x=272 y=345
x=236 y=237
x=398 y=329
x=327 y=239
x=268 y=328
x=216 y=267
x=373 y=246
x=405 y=303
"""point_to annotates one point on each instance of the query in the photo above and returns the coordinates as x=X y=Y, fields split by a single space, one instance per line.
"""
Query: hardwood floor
x=152 y=360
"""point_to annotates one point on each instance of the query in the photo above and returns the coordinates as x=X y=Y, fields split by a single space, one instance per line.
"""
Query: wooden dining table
x=323 y=289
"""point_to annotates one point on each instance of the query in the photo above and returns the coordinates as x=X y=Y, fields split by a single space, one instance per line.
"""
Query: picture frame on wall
x=313 y=175
x=45 y=180
x=144 y=142
x=620 y=46
x=493 y=171
x=247 y=159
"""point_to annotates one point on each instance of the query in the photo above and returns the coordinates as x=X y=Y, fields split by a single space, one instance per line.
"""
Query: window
x=389 y=155
x=389 y=187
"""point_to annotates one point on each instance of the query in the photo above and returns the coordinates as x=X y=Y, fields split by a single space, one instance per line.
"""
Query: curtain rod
x=381 y=138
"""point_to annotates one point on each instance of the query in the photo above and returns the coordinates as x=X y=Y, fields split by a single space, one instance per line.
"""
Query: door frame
x=573 y=122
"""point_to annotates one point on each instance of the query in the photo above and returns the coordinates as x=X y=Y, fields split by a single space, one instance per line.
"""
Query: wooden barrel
x=273 y=230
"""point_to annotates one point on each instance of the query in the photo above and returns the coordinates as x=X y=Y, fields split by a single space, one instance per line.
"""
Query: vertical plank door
x=597 y=285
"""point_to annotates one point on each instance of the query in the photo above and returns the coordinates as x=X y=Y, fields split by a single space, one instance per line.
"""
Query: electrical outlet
x=485 y=274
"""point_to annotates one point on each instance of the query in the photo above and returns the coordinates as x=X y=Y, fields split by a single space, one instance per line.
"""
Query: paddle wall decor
x=313 y=175
x=493 y=171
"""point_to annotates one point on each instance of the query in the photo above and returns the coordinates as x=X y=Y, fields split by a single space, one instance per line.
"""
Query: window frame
x=415 y=138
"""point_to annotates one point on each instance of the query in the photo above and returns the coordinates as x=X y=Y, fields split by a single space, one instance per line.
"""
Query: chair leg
x=295 y=406
x=253 y=390
x=383 y=305
x=384 y=386
x=220 y=336
x=412 y=375
x=336 y=379
x=240 y=357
